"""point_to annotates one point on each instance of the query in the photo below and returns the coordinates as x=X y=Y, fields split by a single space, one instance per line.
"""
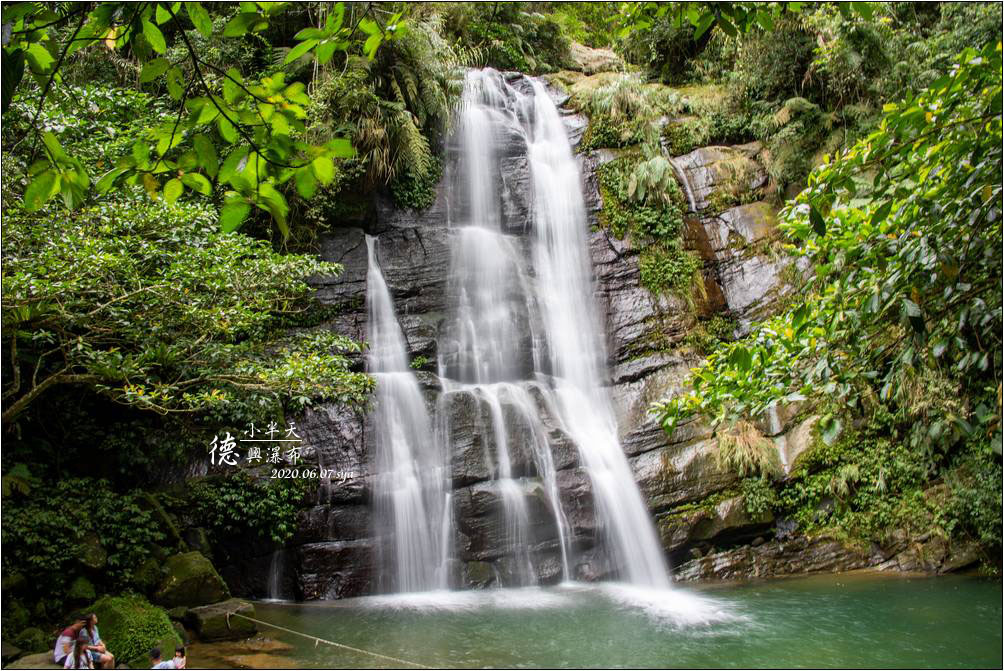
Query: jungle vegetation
x=169 y=167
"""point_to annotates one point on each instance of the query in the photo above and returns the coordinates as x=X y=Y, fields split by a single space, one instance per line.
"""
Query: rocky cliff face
x=700 y=516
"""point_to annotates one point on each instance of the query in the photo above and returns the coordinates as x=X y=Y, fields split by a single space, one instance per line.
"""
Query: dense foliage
x=903 y=316
x=80 y=524
x=169 y=167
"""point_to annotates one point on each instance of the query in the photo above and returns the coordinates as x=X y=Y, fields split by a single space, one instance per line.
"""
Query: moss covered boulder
x=81 y=591
x=131 y=626
x=190 y=580
x=42 y=660
x=220 y=621
x=33 y=639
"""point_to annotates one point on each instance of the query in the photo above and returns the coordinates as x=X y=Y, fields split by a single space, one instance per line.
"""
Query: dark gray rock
x=335 y=570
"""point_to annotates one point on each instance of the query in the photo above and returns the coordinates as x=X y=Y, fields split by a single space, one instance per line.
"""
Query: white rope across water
x=317 y=639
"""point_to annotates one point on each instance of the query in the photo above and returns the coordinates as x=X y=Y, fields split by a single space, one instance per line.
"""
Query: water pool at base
x=833 y=621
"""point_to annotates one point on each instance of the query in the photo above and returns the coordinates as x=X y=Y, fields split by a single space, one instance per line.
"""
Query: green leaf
x=153 y=69
x=325 y=51
x=818 y=224
x=232 y=91
x=200 y=18
x=227 y=130
x=231 y=166
x=175 y=83
x=702 y=25
x=241 y=24
x=197 y=182
x=299 y=50
x=41 y=189
x=371 y=45
x=369 y=26
x=879 y=215
x=39 y=58
x=52 y=146
x=206 y=151
x=335 y=19
x=341 y=147
x=306 y=184
x=13 y=71
x=173 y=190
x=310 y=34
x=741 y=358
x=831 y=431
x=323 y=168
x=233 y=214
x=155 y=37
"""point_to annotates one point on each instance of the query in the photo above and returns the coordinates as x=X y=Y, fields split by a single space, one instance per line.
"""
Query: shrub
x=240 y=506
x=44 y=534
x=667 y=268
x=744 y=450
x=770 y=65
x=759 y=496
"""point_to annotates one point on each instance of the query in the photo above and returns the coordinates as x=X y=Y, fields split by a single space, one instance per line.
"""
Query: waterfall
x=410 y=484
x=522 y=343
x=577 y=347
x=276 y=568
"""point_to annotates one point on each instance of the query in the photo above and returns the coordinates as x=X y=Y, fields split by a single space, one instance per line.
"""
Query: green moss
x=131 y=626
x=81 y=591
x=708 y=334
x=33 y=639
x=683 y=137
x=191 y=580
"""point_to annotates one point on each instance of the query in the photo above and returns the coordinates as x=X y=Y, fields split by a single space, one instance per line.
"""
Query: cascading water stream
x=410 y=485
x=577 y=349
x=523 y=342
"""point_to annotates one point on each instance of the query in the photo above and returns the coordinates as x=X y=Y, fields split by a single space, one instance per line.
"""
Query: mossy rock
x=33 y=639
x=190 y=580
x=148 y=576
x=211 y=622
x=42 y=660
x=178 y=613
x=91 y=553
x=81 y=591
x=15 y=616
x=131 y=626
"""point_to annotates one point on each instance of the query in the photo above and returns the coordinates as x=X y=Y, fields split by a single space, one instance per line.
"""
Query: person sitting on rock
x=66 y=640
x=99 y=652
x=156 y=662
x=80 y=656
x=179 y=657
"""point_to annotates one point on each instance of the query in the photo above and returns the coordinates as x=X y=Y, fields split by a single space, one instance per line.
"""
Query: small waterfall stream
x=522 y=340
x=410 y=489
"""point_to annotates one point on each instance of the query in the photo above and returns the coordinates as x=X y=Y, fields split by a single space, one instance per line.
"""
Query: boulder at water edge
x=190 y=580
x=210 y=622
x=131 y=626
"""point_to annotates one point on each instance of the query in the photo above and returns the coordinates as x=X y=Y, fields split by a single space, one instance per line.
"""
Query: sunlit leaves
x=261 y=118
x=904 y=233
